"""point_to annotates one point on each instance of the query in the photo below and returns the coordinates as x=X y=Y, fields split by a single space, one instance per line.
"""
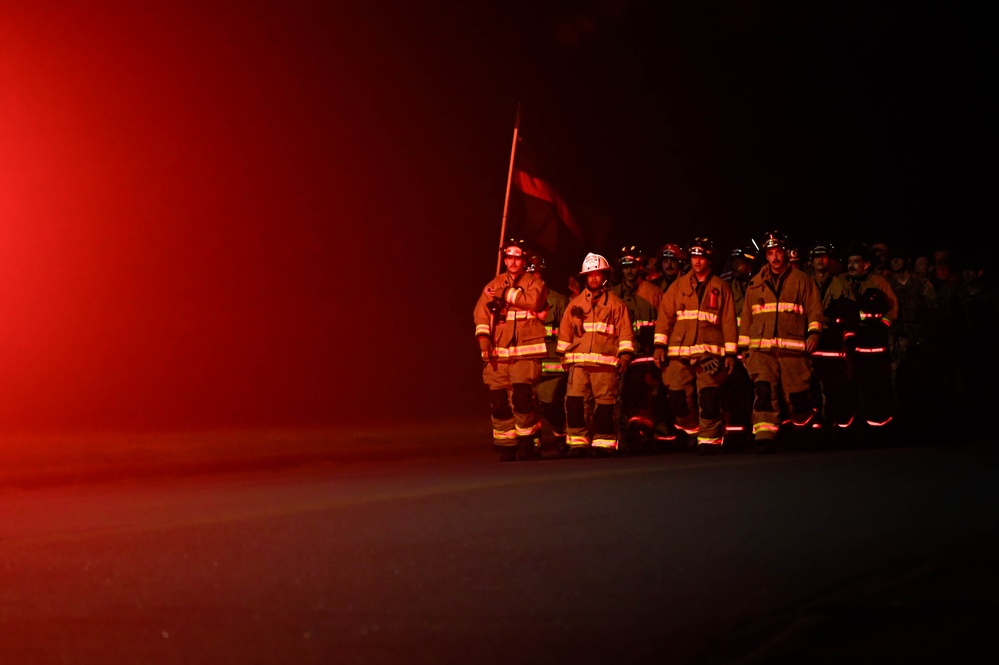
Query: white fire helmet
x=593 y=263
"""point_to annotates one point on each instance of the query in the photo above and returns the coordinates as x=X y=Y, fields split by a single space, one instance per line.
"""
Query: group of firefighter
x=655 y=353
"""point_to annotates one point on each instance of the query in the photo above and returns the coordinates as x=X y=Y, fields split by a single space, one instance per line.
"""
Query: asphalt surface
x=929 y=608
x=50 y=459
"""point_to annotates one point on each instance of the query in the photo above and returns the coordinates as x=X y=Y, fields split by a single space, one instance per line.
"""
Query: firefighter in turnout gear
x=551 y=387
x=596 y=340
x=738 y=386
x=641 y=386
x=696 y=343
x=871 y=353
x=508 y=326
x=833 y=392
x=673 y=263
x=781 y=322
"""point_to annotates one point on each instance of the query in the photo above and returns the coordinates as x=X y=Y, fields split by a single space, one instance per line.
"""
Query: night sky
x=260 y=214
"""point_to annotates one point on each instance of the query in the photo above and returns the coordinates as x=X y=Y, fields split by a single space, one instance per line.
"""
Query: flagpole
x=509 y=179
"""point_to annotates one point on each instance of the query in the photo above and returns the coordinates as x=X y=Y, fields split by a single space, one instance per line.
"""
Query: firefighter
x=911 y=363
x=738 y=387
x=696 y=343
x=673 y=263
x=641 y=386
x=781 y=322
x=551 y=387
x=871 y=355
x=833 y=393
x=596 y=340
x=508 y=326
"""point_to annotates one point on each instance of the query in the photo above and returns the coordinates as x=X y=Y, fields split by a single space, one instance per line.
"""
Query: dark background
x=281 y=213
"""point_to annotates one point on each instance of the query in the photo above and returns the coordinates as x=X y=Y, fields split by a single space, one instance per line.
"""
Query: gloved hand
x=729 y=364
x=811 y=343
x=485 y=348
x=495 y=305
x=659 y=356
x=710 y=364
x=623 y=361
x=577 y=320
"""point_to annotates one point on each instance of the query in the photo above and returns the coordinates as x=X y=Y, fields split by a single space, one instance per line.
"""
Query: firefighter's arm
x=529 y=294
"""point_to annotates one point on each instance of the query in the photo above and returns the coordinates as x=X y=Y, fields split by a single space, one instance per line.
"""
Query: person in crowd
x=696 y=343
x=596 y=341
x=511 y=336
x=641 y=385
x=673 y=263
x=909 y=335
x=978 y=310
x=833 y=392
x=551 y=386
x=781 y=321
x=738 y=387
x=871 y=354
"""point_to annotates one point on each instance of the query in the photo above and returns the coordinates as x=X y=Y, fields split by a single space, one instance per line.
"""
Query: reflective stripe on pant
x=592 y=386
x=520 y=417
x=776 y=375
x=689 y=378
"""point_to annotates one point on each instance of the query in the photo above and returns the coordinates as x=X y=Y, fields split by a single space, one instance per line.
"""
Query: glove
x=710 y=364
x=485 y=348
x=729 y=364
x=495 y=305
x=659 y=355
x=577 y=320
x=623 y=361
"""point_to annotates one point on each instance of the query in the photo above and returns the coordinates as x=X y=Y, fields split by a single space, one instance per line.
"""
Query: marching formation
x=786 y=346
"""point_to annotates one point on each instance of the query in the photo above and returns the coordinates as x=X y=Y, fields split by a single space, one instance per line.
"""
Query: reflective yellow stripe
x=525 y=351
x=694 y=350
x=771 y=307
x=595 y=358
x=696 y=315
x=552 y=367
x=600 y=327
x=778 y=343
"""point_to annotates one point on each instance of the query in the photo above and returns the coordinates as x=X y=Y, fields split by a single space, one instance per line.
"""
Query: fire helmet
x=821 y=248
x=701 y=246
x=535 y=263
x=593 y=263
x=744 y=253
x=673 y=251
x=773 y=239
x=861 y=250
x=630 y=255
x=514 y=247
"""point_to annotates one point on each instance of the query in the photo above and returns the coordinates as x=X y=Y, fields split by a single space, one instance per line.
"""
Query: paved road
x=455 y=558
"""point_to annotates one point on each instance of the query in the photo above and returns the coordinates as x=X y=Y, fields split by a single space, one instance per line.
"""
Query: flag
x=541 y=216
x=536 y=212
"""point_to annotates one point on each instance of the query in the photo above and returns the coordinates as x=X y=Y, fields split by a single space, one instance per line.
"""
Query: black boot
x=528 y=449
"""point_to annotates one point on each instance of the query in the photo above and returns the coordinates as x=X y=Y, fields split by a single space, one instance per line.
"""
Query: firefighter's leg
x=578 y=400
x=524 y=375
x=763 y=370
x=497 y=378
x=710 y=403
x=605 y=383
x=681 y=380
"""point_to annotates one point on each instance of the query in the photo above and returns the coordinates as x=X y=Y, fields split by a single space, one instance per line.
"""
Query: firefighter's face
x=595 y=280
x=777 y=258
x=515 y=265
x=701 y=265
x=820 y=262
x=630 y=272
x=856 y=265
